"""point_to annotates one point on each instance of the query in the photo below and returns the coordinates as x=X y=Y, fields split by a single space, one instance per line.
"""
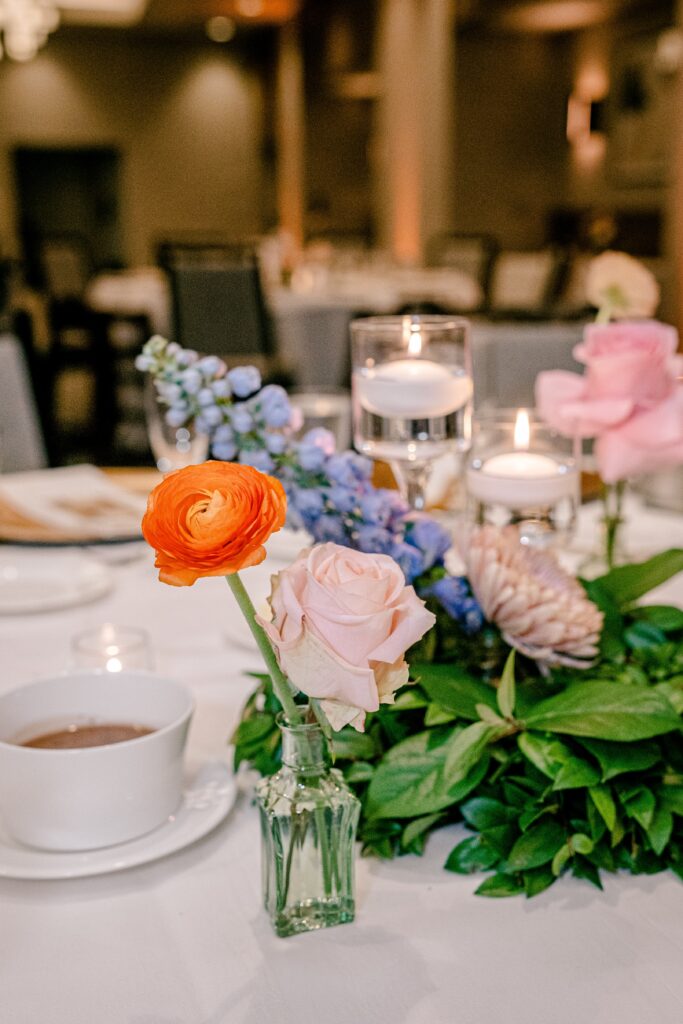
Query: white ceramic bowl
x=82 y=799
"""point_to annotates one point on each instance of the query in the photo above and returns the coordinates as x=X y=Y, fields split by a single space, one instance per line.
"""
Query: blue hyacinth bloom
x=322 y=438
x=205 y=397
x=342 y=498
x=244 y=380
x=274 y=405
x=175 y=417
x=191 y=380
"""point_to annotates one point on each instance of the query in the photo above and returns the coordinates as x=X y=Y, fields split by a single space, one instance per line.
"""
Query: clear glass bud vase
x=309 y=818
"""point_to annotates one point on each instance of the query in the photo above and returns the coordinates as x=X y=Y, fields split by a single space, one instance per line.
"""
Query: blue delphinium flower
x=329 y=528
x=409 y=558
x=374 y=539
x=224 y=450
x=257 y=458
x=220 y=388
x=244 y=381
x=210 y=366
x=311 y=457
x=342 y=499
x=453 y=594
x=276 y=444
x=348 y=468
x=241 y=419
x=175 y=417
x=191 y=380
x=206 y=397
x=431 y=538
x=274 y=406
x=309 y=503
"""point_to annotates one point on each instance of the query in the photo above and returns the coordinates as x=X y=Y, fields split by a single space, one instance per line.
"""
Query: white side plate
x=40 y=582
x=206 y=802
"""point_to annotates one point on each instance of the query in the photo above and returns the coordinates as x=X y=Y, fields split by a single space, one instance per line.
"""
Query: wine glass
x=412 y=393
x=173 y=447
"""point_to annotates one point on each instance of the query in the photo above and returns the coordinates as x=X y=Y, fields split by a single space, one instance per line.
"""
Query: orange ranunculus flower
x=212 y=520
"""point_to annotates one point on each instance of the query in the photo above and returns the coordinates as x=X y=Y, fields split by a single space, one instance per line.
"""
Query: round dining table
x=184 y=939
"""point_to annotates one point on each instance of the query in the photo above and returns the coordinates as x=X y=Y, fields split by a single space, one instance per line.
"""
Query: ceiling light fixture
x=25 y=26
x=250 y=8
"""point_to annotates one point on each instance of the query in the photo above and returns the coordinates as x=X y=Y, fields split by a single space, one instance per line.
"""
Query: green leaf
x=501 y=838
x=660 y=829
x=639 y=803
x=252 y=731
x=534 y=813
x=616 y=758
x=499 y=886
x=581 y=843
x=436 y=715
x=607 y=711
x=583 y=868
x=489 y=716
x=465 y=749
x=454 y=690
x=536 y=847
x=604 y=804
x=627 y=583
x=417 y=828
x=672 y=798
x=537 y=880
x=611 y=639
x=412 y=779
x=664 y=616
x=359 y=771
x=642 y=635
x=482 y=812
x=560 y=859
x=545 y=752
x=506 y=690
x=575 y=774
x=408 y=699
x=473 y=854
x=353 y=746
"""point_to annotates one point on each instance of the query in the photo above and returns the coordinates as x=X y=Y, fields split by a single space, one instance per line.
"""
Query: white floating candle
x=412 y=389
x=522 y=480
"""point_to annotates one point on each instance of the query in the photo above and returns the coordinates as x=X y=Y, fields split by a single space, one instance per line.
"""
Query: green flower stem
x=280 y=681
x=613 y=497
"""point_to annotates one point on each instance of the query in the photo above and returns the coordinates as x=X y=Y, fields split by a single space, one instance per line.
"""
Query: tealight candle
x=413 y=389
x=521 y=478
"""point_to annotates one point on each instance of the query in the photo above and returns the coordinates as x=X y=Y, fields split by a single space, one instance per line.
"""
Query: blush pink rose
x=628 y=397
x=342 y=622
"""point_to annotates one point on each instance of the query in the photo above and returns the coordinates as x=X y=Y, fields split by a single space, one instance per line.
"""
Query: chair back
x=218 y=306
x=21 y=440
x=472 y=254
x=65 y=264
x=523 y=281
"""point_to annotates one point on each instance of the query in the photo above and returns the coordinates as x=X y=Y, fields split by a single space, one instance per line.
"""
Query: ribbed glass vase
x=309 y=818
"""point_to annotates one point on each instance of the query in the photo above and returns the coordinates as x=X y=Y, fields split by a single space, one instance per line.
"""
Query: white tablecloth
x=184 y=941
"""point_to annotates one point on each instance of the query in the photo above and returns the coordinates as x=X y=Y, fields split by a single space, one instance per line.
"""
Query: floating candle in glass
x=522 y=472
x=412 y=393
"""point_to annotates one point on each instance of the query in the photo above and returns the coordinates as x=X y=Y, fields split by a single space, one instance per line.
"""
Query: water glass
x=173 y=447
x=325 y=407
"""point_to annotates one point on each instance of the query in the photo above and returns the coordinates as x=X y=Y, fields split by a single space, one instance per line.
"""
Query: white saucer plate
x=206 y=802
x=32 y=582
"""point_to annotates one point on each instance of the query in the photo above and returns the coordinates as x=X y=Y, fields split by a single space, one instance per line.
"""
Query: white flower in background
x=540 y=609
x=619 y=285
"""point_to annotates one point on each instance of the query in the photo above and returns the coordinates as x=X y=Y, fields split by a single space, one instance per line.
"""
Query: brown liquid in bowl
x=78 y=736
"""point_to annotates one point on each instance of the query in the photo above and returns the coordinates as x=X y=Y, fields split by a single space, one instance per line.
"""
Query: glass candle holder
x=412 y=393
x=112 y=648
x=523 y=473
x=329 y=408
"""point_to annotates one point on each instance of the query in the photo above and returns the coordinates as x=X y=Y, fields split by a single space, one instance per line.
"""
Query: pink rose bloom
x=628 y=398
x=342 y=622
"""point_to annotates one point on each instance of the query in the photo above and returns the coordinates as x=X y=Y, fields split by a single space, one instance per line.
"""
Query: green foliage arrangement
x=567 y=771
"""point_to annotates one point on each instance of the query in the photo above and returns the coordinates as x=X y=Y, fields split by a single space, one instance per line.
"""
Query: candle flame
x=522 y=432
x=412 y=337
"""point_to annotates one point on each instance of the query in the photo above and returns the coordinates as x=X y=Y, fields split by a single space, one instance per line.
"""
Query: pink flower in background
x=621 y=284
x=629 y=397
x=342 y=622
